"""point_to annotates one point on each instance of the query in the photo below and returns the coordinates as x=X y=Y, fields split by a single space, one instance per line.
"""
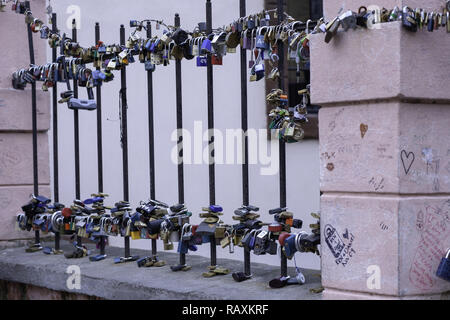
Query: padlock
x=260 y=243
x=149 y=66
x=409 y=19
x=168 y=245
x=431 y=20
x=332 y=29
x=186 y=232
x=348 y=20
x=365 y=18
x=443 y=270
x=260 y=42
x=135 y=235
x=272 y=247
x=216 y=60
x=206 y=46
x=219 y=233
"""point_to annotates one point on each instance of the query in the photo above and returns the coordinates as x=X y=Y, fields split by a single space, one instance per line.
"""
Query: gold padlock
x=135 y=235
x=219 y=232
x=168 y=245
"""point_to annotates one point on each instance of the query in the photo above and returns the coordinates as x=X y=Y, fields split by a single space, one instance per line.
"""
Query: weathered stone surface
x=379 y=63
x=331 y=8
x=403 y=238
x=126 y=281
x=16 y=160
x=11 y=200
x=385 y=148
x=15 y=37
x=15 y=110
x=331 y=294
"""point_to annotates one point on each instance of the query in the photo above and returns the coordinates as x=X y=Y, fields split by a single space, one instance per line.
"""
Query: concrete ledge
x=106 y=280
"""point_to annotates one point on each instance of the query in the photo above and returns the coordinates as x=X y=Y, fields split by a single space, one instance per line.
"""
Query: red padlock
x=66 y=212
x=216 y=60
x=194 y=229
x=275 y=227
x=282 y=238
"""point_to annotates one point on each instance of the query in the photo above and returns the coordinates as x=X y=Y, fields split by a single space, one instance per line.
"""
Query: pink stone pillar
x=384 y=132
x=16 y=158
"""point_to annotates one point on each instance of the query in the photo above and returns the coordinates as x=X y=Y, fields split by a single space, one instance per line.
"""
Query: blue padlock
x=202 y=61
x=289 y=246
x=251 y=244
x=443 y=270
x=193 y=247
x=154 y=45
x=259 y=71
x=97 y=257
x=215 y=208
x=148 y=44
x=89 y=200
x=134 y=23
x=260 y=43
x=101 y=49
x=206 y=46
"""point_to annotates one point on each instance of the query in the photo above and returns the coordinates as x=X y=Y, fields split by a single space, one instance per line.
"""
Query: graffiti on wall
x=433 y=225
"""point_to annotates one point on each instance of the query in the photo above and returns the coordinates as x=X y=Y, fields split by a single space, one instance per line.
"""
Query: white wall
x=302 y=160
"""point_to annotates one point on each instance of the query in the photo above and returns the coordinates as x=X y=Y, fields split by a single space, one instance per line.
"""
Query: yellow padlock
x=135 y=235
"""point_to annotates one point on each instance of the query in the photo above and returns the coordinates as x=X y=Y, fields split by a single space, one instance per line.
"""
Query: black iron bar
x=244 y=126
x=212 y=182
x=99 y=136
x=151 y=138
x=76 y=134
x=179 y=103
x=244 y=115
x=55 y=122
x=99 y=122
x=33 y=121
x=282 y=145
x=55 y=135
x=124 y=134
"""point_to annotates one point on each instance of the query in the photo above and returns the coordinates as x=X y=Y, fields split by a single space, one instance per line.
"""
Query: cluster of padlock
x=154 y=219
x=287 y=121
x=253 y=33
x=412 y=19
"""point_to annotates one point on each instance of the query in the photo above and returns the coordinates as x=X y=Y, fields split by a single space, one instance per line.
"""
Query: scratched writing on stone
x=433 y=236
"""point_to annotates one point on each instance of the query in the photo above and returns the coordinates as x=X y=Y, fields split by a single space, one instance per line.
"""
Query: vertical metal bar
x=55 y=122
x=33 y=121
x=179 y=122
x=99 y=122
x=244 y=126
x=209 y=76
x=180 y=132
x=99 y=137
x=124 y=137
x=76 y=125
x=55 y=134
x=151 y=130
x=244 y=114
x=33 y=110
x=282 y=149
x=76 y=132
x=124 y=131
x=151 y=137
